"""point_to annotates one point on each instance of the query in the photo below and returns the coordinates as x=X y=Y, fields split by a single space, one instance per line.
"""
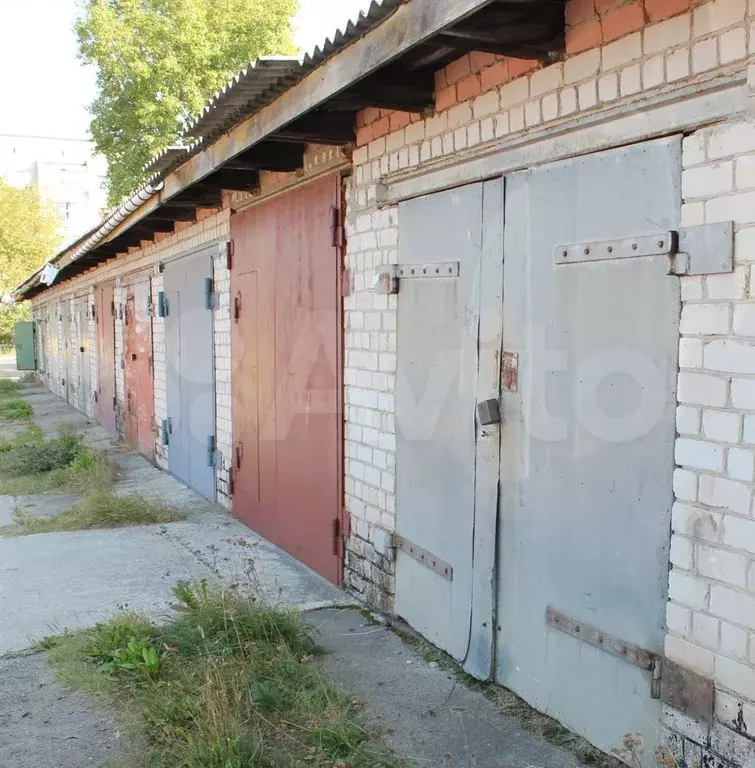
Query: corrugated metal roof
x=165 y=159
x=267 y=78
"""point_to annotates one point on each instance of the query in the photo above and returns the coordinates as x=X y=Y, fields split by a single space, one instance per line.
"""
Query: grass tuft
x=29 y=464
x=15 y=409
x=100 y=509
x=8 y=388
x=229 y=683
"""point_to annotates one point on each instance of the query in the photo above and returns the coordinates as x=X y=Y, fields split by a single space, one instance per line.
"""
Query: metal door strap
x=423 y=556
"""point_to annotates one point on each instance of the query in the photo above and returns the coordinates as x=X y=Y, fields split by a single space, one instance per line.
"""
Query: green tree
x=159 y=61
x=29 y=236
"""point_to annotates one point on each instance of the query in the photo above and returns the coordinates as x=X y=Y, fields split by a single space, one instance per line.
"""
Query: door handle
x=239 y=454
x=489 y=412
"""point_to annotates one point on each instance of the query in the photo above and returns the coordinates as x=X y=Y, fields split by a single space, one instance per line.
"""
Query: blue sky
x=43 y=87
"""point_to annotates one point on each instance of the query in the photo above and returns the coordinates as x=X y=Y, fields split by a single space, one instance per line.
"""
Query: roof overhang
x=387 y=59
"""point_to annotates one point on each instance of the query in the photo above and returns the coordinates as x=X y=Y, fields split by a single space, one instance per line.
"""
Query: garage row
x=465 y=326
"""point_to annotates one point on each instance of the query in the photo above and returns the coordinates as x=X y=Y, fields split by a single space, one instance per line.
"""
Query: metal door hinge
x=334 y=225
x=673 y=684
x=164 y=434
x=112 y=309
x=149 y=306
x=237 y=307
x=210 y=450
x=229 y=252
x=705 y=249
x=115 y=403
x=337 y=536
x=345 y=282
x=422 y=556
x=210 y=298
x=162 y=304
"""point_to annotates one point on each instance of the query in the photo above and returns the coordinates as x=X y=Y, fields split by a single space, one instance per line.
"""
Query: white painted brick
x=705 y=55
x=689 y=655
x=690 y=353
x=516 y=119
x=666 y=34
x=502 y=125
x=568 y=101
x=739 y=464
x=679 y=619
x=731 y=139
x=732 y=45
x=688 y=590
x=733 y=605
x=702 y=389
x=630 y=80
x=739 y=208
x=737 y=677
x=459 y=115
x=722 y=565
x=749 y=430
x=721 y=425
x=730 y=285
x=622 y=51
x=699 y=454
x=687 y=420
x=550 y=107
x=685 y=484
x=415 y=132
x=691 y=287
x=744 y=320
x=588 y=94
x=487 y=129
x=733 y=641
x=653 y=72
x=546 y=80
x=692 y=215
x=677 y=65
x=746 y=172
x=729 y=356
x=515 y=92
x=743 y=394
x=532 y=114
x=707 y=180
x=702 y=524
x=723 y=493
x=693 y=149
x=608 y=87
x=739 y=533
x=682 y=553
x=582 y=66
x=487 y=104
x=705 y=319
x=717 y=15
x=705 y=630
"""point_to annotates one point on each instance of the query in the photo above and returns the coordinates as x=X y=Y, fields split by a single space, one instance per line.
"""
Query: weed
x=100 y=509
x=31 y=434
x=15 y=409
x=8 y=388
x=30 y=377
x=36 y=457
x=229 y=683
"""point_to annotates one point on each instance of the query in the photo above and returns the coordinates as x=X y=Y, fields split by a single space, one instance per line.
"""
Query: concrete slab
x=53 y=581
x=424 y=712
x=42 y=725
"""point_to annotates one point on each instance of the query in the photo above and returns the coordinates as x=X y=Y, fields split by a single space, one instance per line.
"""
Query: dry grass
x=100 y=509
x=230 y=683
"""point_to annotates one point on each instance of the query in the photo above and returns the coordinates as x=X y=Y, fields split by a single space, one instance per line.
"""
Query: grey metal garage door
x=587 y=440
x=190 y=384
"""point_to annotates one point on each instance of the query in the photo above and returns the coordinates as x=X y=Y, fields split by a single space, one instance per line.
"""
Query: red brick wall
x=589 y=24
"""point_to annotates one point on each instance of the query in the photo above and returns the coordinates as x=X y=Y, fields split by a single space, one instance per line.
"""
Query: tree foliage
x=159 y=61
x=29 y=236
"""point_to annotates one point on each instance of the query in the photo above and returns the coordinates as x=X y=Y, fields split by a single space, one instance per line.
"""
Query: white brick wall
x=711 y=613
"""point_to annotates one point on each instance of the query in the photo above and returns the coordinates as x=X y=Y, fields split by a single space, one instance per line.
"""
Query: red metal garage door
x=286 y=338
x=138 y=368
x=104 y=317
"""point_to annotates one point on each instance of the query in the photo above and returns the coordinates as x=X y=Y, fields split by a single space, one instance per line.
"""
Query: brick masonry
x=615 y=52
